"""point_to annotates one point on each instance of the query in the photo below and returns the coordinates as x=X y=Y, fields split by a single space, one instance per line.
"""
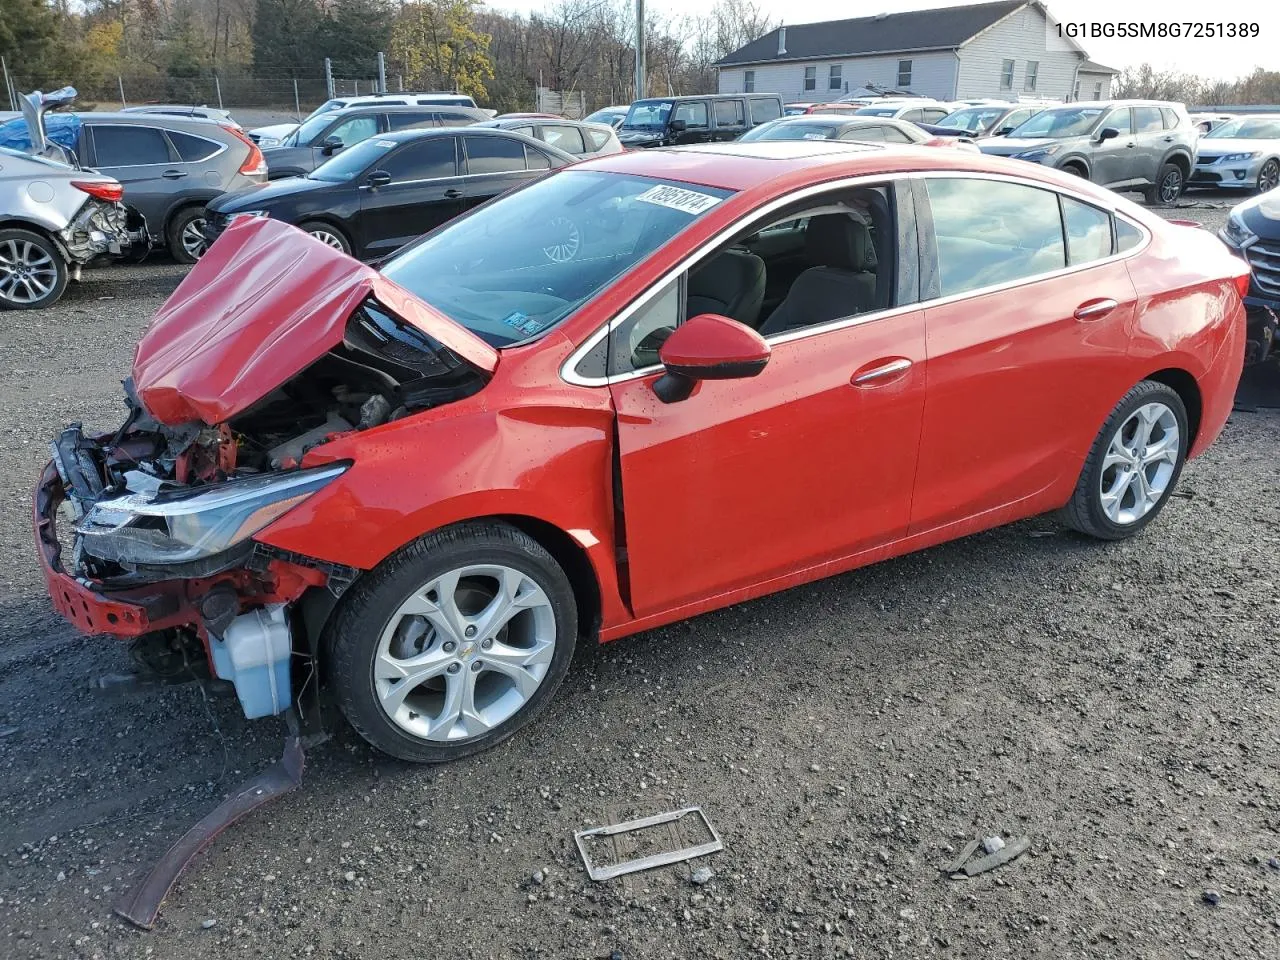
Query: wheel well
x=1183 y=163
x=178 y=210
x=573 y=561
x=1075 y=163
x=1188 y=391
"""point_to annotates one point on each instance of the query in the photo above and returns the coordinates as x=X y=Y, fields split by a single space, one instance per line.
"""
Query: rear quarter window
x=193 y=149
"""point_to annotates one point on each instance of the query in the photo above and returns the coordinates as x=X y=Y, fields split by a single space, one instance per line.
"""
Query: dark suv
x=320 y=136
x=668 y=121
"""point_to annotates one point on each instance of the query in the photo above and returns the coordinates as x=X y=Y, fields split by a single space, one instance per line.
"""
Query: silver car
x=577 y=137
x=55 y=218
x=1243 y=153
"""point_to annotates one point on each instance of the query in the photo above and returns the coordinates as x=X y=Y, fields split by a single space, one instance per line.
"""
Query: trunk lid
x=263 y=303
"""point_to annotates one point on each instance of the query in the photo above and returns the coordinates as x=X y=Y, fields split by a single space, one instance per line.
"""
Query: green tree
x=352 y=33
x=437 y=45
x=27 y=32
x=285 y=34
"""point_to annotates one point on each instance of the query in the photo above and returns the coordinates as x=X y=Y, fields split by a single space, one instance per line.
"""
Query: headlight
x=1236 y=233
x=251 y=213
x=1233 y=157
x=177 y=527
x=1039 y=152
x=268 y=141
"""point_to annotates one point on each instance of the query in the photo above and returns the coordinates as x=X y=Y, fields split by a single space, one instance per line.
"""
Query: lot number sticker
x=686 y=201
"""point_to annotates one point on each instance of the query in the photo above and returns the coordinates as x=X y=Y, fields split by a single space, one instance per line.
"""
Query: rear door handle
x=452 y=194
x=881 y=371
x=1095 y=309
x=174 y=174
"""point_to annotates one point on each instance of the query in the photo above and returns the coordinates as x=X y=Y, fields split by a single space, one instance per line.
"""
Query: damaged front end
x=148 y=532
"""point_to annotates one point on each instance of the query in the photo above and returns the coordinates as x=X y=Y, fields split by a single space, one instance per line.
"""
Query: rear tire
x=185 y=236
x=327 y=234
x=1170 y=182
x=33 y=274
x=1133 y=465
x=452 y=644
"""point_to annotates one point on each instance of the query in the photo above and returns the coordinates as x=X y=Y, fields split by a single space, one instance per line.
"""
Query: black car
x=1253 y=231
x=375 y=197
x=322 y=136
x=670 y=121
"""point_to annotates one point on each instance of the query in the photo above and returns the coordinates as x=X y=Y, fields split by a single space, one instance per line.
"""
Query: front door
x=1026 y=357
x=1114 y=159
x=696 y=117
x=425 y=191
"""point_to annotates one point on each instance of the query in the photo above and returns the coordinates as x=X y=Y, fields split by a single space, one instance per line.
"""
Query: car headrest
x=725 y=272
x=838 y=240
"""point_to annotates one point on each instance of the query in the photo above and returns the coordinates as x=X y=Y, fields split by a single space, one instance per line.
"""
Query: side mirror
x=1107 y=133
x=1003 y=132
x=379 y=178
x=678 y=126
x=708 y=347
x=331 y=145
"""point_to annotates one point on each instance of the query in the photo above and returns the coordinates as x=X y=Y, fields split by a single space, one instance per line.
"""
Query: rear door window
x=493 y=155
x=411 y=120
x=568 y=139
x=894 y=135
x=730 y=114
x=118 y=145
x=915 y=116
x=762 y=111
x=990 y=232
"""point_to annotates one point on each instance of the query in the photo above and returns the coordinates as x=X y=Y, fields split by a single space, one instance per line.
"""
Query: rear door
x=731 y=119
x=1148 y=135
x=425 y=191
x=1027 y=349
x=141 y=158
x=493 y=165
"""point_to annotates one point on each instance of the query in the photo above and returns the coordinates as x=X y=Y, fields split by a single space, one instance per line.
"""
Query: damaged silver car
x=54 y=216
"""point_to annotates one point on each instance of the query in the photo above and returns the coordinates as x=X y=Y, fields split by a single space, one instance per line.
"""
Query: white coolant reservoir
x=253 y=653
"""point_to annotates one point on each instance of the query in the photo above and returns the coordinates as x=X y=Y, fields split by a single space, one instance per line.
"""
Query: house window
x=1033 y=67
x=1097 y=90
x=811 y=78
x=1006 y=75
x=834 y=79
x=749 y=81
x=904 y=73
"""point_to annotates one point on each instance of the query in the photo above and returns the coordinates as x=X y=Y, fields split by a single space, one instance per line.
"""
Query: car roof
x=777 y=166
x=171 y=121
x=371 y=107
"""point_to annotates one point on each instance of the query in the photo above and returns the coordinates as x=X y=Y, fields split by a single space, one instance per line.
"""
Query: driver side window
x=1119 y=119
x=355 y=130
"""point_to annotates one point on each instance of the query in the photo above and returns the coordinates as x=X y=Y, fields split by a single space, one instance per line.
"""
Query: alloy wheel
x=1269 y=176
x=27 y=272
x=1171 y=187
x=193 y=239
x=464 y=652
x=1140 y=463
x=329 y=238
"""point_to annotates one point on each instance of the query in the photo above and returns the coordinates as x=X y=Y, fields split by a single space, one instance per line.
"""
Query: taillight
x=1242 y=284
x=255 y=164
x=107 y=190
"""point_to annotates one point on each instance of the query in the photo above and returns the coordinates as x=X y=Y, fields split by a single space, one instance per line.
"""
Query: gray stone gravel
x=1115 y=703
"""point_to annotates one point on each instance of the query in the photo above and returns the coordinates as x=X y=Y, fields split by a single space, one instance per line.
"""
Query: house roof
x=942 y=29
x=1090 y=66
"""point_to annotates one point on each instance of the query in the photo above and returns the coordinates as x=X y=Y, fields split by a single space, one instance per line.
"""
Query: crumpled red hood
x=264 y=302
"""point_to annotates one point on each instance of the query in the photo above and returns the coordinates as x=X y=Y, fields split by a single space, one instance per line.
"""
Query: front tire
x=329 y=235
x=452 y=644
x=1269 y=176
x=32 y=272
x=1133 y=466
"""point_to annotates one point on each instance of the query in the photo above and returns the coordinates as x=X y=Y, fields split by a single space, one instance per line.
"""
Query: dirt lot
x=1116 y=704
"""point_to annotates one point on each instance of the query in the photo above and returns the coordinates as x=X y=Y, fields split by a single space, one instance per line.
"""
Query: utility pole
x=382 y=72
x=328 y=77
x=640 y=77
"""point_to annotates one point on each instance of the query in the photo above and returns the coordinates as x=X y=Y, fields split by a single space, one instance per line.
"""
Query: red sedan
x=641 y=388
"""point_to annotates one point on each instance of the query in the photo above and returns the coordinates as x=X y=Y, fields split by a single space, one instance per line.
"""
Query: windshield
x=1065 y=122
x=972 y=119
x=580 y=229
x=1248 y=128
x=647 y=115
x=791 y=130
x=876 y=111
x=311 y=126
x=348 y=164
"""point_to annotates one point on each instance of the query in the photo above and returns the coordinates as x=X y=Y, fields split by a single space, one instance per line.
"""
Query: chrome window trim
x=568 y=369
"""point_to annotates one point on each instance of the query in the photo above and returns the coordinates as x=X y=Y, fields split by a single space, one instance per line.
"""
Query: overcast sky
x=1219 y=59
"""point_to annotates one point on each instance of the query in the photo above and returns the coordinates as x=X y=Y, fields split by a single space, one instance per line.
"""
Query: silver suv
x=1145 y=145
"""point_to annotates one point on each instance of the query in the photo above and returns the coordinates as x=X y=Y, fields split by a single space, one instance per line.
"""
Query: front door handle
x=452 y=194
x=174 y=174
x=878 y=373
x=1095 y=309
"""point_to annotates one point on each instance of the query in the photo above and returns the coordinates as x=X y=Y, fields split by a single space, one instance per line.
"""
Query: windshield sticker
x=815 y=136
x=675 y=198
x=523 y=323
x=386 y=144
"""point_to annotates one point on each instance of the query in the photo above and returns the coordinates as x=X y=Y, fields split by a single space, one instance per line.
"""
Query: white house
x=1005 y=49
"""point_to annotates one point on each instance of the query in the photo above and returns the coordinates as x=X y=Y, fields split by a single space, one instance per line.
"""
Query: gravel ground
x=1115 y=704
